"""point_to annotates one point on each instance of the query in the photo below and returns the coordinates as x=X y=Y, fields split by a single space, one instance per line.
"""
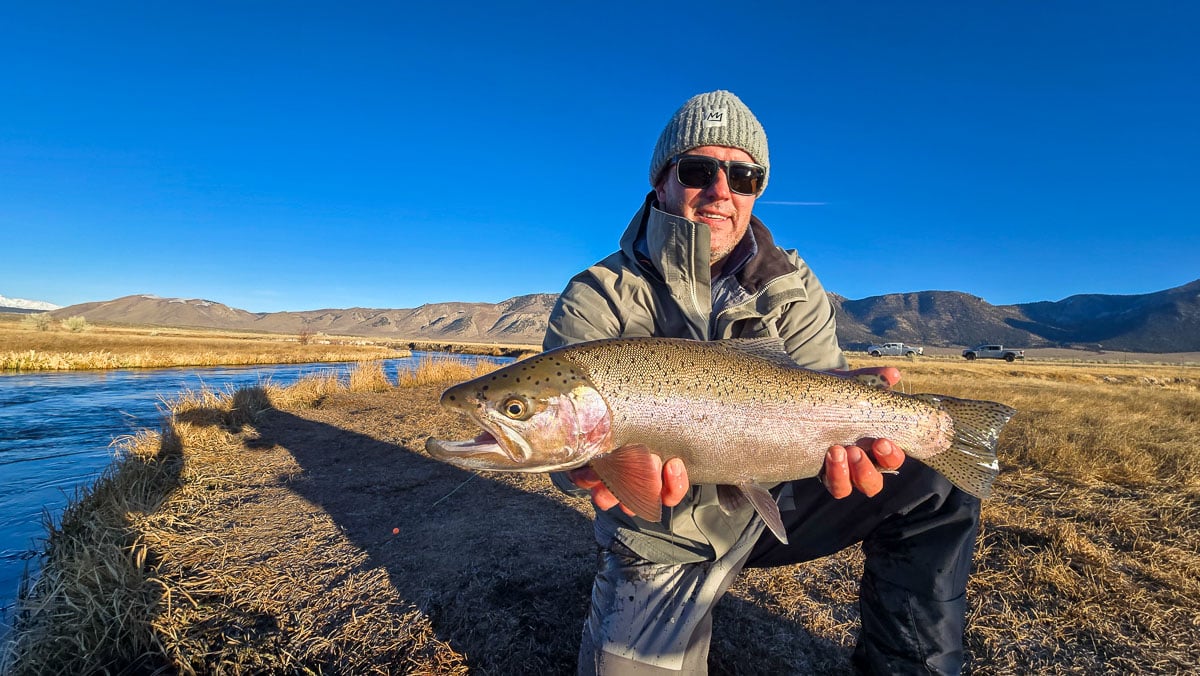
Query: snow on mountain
x=22 y=304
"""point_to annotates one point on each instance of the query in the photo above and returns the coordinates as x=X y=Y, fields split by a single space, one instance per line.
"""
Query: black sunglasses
x=699 y=171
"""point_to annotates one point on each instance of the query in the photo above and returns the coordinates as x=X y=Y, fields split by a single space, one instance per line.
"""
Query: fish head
x=541 y=414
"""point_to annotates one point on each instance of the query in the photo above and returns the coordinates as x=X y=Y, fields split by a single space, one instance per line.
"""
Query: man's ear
x=660 y=186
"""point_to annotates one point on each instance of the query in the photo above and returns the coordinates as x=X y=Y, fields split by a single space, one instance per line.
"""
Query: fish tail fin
x=970 y=463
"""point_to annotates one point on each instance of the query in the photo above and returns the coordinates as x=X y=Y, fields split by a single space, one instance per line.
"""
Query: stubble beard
x=719 y=255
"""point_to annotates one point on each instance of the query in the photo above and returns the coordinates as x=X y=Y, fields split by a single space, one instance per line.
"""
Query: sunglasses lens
x=700 y=172
x=696 y=172
x=745 y=178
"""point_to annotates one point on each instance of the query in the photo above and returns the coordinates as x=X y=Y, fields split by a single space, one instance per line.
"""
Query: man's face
x=726 y=213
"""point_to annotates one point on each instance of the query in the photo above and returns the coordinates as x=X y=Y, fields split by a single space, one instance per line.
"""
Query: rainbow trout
x=739 y=413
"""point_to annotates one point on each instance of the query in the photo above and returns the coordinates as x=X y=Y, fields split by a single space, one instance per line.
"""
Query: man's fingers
x=890 y=375
x=587 y=479
x=883 y=377
x=675 y=482
x=887 y=454
x=863 y=474
x=584 y=477
x=603 y=498
x=675 y=485
x=837 y=472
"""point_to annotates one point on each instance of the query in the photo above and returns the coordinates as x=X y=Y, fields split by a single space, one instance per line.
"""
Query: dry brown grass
x=24 y=347
x=254 y=535
x=442 y=370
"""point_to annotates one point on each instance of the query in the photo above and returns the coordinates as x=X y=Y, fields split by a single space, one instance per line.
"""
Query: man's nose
x=720 y=185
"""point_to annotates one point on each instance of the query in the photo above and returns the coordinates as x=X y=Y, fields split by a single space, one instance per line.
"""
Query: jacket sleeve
x=809 y=329
x=583 y=312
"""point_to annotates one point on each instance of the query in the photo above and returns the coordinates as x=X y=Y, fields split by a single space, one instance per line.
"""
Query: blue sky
x=306 y=155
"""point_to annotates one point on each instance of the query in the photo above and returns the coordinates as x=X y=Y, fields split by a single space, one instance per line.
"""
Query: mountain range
x=21 y=305
x=1164 y=321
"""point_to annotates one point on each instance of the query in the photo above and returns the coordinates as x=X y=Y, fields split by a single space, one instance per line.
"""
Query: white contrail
x=794 y=204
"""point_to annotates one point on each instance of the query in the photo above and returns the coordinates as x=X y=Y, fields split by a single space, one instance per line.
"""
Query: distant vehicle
x=894 y=350
x=993 y=352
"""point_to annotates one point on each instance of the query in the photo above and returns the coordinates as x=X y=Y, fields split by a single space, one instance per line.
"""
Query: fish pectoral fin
x=765 y=505
x=634 y=477
x=730 y=498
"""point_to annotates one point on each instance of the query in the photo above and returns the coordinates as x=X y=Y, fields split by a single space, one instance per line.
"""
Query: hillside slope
x=1164 y=321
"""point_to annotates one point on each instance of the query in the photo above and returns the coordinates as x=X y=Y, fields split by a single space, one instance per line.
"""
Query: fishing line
x=441 y=499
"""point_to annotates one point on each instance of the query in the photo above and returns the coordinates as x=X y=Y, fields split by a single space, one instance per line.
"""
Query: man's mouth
x=713 y=216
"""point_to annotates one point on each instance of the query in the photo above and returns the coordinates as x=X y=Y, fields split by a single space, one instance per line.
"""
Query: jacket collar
x=678 y=251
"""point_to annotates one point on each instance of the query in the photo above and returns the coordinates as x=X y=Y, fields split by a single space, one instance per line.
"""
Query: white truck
x=894 y=350
x=993 y=352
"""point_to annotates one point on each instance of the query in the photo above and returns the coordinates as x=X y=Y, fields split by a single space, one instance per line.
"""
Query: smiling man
x=696 y=263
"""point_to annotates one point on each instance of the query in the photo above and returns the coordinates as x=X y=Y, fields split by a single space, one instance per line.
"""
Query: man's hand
x=850 y=467
x=674 y=485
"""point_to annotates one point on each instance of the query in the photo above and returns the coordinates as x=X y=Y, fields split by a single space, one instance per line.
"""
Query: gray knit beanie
x=713 y=119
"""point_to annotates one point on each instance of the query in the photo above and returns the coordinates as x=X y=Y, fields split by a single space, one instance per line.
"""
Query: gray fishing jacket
x=667 y=293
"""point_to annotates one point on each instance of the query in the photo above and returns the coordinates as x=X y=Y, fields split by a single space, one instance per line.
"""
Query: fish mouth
x=491 y=449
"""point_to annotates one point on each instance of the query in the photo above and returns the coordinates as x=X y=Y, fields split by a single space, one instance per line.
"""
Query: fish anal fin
x=635 y=478
x=765 y=505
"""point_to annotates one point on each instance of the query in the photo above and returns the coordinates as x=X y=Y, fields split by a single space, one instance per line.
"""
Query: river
x=57 y=431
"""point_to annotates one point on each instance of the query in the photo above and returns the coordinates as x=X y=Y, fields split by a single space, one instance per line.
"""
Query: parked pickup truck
x=993 y=352
x=894 y=350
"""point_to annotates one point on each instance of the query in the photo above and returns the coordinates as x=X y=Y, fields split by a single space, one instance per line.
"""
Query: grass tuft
x=443 y=370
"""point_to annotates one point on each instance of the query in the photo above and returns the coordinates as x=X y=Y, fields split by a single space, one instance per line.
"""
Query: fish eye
x=515 y=408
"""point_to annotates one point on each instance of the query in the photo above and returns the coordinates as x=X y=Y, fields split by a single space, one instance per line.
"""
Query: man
x=695 y=263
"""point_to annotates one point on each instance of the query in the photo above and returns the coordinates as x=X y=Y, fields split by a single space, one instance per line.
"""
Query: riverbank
x=305 y=529
x=24 y=346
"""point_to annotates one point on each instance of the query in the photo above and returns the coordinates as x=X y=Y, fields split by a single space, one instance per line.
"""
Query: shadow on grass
x=503 y=574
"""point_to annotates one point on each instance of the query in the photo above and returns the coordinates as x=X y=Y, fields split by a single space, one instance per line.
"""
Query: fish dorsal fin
x=765 y=505
x=634 y=478
x=770 y=348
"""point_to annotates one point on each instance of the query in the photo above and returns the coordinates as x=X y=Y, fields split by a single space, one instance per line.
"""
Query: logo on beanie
x=714 y=118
